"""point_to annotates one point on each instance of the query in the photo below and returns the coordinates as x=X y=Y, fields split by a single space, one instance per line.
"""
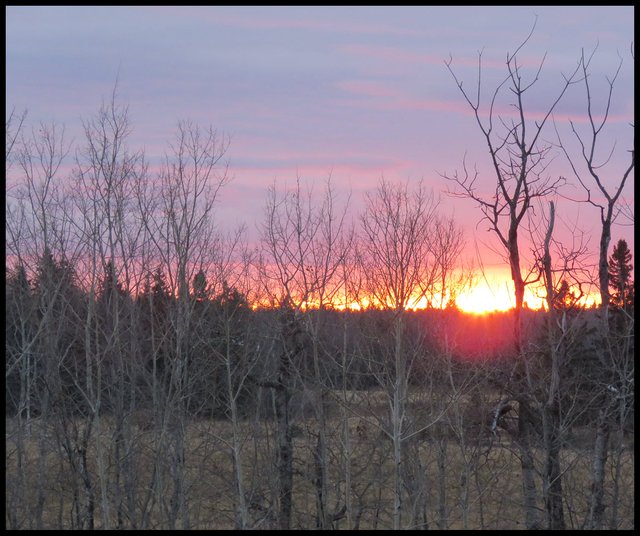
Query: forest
x=162 y=372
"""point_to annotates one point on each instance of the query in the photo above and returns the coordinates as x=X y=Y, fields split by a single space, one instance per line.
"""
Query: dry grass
x=482 y=485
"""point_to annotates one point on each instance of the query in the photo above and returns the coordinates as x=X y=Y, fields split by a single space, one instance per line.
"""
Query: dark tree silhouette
x=18 y=335
x=564 y=298
x=200 y=286
x=620 y=268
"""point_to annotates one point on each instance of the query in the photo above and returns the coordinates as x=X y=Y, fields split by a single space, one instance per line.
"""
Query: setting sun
x=482 y=299
x=494 y=292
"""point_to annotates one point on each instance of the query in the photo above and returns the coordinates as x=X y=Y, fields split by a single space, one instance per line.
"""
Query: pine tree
x=60 y=341
x=620 y=269
x=110 y=288
x=199 y=284
x=154 y=303
x=160 y=288
x=19 y=330
x=564 y=299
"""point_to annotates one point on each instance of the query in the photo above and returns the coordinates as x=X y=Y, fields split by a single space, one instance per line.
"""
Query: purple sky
x=358 y=92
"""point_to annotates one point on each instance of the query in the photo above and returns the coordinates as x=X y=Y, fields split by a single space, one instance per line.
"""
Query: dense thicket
x=57 y=360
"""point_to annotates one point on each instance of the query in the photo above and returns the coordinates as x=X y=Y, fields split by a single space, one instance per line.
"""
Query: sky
x=358 y=93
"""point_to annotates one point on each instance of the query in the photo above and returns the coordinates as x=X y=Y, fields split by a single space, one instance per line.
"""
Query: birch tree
x=398 y=270
x=302 y=252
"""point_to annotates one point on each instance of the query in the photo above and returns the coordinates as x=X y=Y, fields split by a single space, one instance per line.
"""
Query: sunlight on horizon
x=496 y=294
x=484 y=299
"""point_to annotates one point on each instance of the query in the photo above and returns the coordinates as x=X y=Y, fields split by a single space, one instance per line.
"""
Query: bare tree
x=38 y=218
x=222 y=325
x=552 y=477
x=302 y=254
x=606 y=198
x=398 y=269
x=518 y=158
x=12 y=134
x=191 y=179
x=590 y=143
x=106 y=175
x=451 y=278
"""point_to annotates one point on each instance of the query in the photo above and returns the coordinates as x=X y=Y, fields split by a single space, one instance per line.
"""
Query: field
x=454 y=474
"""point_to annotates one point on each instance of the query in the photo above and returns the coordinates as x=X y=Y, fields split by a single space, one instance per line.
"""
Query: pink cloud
x=395 y=54
x=388 y=53
x=273 y=19
x=367 y=88
x=257 y=175
x=386 y=98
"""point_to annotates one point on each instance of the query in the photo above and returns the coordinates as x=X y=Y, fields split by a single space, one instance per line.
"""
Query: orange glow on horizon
x=491 y=292
x=488 y=295
x=495 y=293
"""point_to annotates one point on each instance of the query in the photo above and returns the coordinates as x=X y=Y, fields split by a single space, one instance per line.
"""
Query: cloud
x=404 y=55
x=288 y=18
x=316 y=163
x=383 y=96
x=367 y=88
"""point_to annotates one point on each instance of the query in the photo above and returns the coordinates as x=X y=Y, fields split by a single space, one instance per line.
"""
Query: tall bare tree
x=38 y=218
x=552 y=476
x=190 y=181
x=519 y=159
x=106 y=175
x=606 y=196
x=303 y=251
x=600 y=193
x=399 y=270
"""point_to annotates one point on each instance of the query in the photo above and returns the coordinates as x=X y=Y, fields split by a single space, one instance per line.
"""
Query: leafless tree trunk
x=302 y=253
x=237 y=358
x=179 y=221
x=589 y=144
x=37 y=225
x=107 y=178
x=607 y=200
x=552 y=476
x=399 y=270
x=518 y=159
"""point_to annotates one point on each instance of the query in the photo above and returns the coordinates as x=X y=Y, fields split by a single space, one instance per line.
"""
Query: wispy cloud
x=397 y=54
x=368 y=88
x=284 y=18
x=383 y=96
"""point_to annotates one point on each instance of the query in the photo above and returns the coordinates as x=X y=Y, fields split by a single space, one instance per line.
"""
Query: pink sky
x=355 y=92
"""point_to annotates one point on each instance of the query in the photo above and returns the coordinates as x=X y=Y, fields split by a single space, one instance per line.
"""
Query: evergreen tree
x=620 y=268
x=110 y=288
x=17 y=280
x=19 y=329
x=155 y=297
x=160 y=288
x=230 y=298
x=564 y=299
x=60 y=344
x=200 y=292
x=157 y=339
